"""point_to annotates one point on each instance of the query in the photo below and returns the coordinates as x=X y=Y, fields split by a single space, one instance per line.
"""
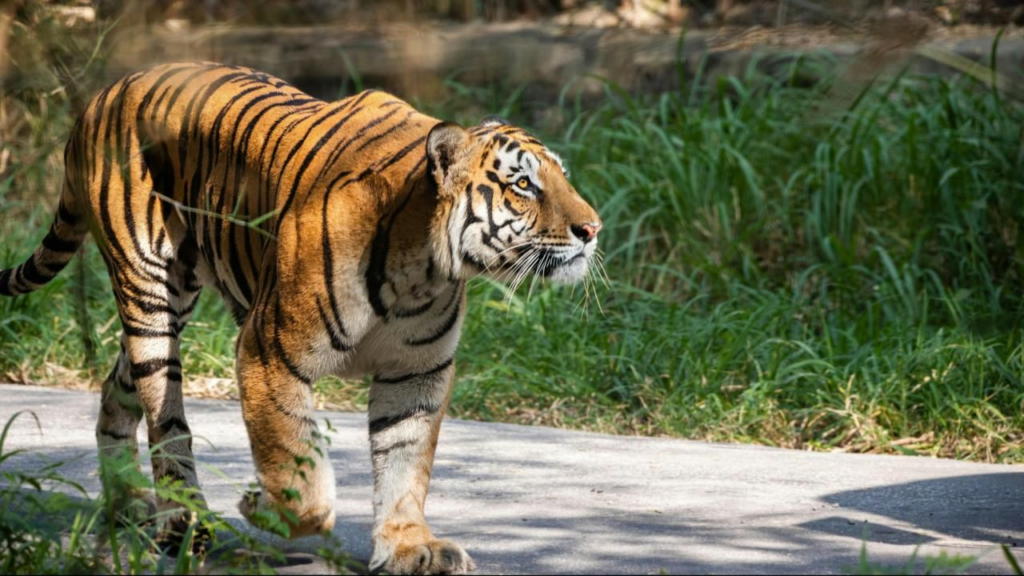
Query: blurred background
x=812 y=207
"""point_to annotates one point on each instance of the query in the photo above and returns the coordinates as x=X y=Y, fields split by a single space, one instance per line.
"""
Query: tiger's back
x=225 y=153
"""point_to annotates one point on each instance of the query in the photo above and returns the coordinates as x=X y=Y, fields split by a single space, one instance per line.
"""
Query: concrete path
x=538 y=500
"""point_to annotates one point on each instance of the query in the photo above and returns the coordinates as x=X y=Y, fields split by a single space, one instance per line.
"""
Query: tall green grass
x=786 y=265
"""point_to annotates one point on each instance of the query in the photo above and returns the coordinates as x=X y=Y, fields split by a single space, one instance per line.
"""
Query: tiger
x=340 y=236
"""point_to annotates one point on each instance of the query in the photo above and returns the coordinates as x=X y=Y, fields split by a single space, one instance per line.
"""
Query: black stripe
x=396 y=446
x=415 y=170
x=411 y=312
x=191 y=306
x=171 y=423
x=5 y=282
x=261 y=348
x=185 y=131
x=279 y=348
x=397 y=157
x=387 y=132
x=405 y=377
x=213 y=135
x=378 y=425
x=55 y=267
x=447 y=326
x=144 y=332
x=431 y=268
x=366 y=128
x=54 y=243
x=66 y=215
x=338 y=150
x=137 y=296
x=159 y=83
x=117 y=435
x=470 y=219
x=150 y=367
x=30 y=272
x=126 y=386
x=376 y=271
x=329 y=281
x=336 y=342
x=300 y=415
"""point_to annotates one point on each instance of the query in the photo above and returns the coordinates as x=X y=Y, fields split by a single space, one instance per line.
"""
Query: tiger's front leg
x=405 y=418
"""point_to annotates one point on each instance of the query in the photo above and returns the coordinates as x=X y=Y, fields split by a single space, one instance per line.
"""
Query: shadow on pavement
x=982 y=507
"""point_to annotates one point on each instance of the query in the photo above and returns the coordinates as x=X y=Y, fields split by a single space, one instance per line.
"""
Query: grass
x=788 y=264
x=941 y=563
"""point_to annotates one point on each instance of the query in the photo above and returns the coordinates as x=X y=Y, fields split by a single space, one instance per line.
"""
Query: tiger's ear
x=443 y=145
x=492 y=121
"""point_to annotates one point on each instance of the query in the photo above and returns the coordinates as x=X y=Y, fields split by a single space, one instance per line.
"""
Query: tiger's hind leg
x=116 y=435
x=150 y=257
x=154 y=307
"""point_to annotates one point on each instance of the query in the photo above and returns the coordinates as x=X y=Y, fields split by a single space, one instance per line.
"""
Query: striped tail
x=60 y=245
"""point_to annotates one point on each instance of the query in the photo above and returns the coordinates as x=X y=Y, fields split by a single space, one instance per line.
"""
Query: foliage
x=942 y=563
x=51 y=525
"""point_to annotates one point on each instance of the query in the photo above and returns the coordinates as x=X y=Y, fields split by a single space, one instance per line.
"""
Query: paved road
x=538 y=500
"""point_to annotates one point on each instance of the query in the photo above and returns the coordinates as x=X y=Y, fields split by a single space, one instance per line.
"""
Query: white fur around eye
x=514 y=166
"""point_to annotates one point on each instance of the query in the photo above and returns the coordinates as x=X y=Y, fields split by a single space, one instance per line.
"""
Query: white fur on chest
x=396 y=344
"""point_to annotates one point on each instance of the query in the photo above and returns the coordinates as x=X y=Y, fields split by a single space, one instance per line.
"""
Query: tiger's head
x=507 y=208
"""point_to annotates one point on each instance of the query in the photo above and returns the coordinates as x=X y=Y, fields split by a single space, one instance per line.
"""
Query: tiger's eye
x=523 y=183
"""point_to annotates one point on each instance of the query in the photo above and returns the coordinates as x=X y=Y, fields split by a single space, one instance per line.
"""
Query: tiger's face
x=509 y=209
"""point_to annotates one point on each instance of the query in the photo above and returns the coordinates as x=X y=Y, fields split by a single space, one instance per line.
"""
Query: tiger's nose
x=586 y=232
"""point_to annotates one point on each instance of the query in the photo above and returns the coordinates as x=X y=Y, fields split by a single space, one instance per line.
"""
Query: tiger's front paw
x=433 y=557
x=265 y=513
x=137 y=508
x=174 y=535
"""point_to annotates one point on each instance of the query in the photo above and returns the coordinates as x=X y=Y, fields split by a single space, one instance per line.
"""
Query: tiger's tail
x=66 y=235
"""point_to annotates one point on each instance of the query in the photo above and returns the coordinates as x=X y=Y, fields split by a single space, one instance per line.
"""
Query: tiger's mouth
x=570 y=268
x=565 y=265
x=559 y=262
